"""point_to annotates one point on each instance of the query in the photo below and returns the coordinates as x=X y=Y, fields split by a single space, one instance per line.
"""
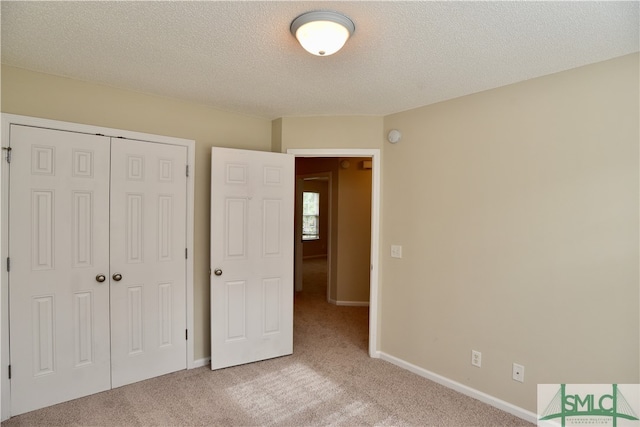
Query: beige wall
x=517 y=209
x=331 y=132
x=41 y=95
x=354 y=232
x=276 y=136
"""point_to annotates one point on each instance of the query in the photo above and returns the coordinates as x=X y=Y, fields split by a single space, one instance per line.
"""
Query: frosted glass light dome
x=322 y=33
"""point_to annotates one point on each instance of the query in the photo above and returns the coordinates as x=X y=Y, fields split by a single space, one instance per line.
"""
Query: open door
x=252 y=225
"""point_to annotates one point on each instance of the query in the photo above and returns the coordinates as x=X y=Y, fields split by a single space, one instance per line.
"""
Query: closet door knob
x=117 y=277
x=217 y=272
x=100 y=278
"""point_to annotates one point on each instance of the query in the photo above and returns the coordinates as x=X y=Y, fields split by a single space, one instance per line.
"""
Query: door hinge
x=186 y=334
x=8 y=264
x=9 y=371
x=8 y=150
x=185 y=254
x=187 y=170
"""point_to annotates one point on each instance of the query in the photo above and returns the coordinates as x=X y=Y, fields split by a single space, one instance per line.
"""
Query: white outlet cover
x=396 y=251
x=518 y=372
x=476 y=358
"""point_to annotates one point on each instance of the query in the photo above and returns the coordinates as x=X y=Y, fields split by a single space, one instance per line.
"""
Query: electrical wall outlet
x=396 y=251
x=476 y=358
x=518 y=372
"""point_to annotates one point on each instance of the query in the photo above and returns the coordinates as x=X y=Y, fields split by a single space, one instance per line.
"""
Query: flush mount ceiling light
x=322 y=33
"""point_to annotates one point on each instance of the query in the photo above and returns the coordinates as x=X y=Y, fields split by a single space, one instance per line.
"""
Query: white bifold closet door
x=59 y=244
x=148 y=241
x=97 y=279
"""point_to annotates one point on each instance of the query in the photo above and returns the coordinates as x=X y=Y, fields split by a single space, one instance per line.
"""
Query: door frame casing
x=374 y=155
x=7 y=121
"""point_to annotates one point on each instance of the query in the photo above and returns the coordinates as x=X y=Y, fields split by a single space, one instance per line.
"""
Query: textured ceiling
x=240 y=56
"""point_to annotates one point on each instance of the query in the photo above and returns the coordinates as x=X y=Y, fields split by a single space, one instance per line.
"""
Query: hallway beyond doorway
x=314 y=276
x=312 y=312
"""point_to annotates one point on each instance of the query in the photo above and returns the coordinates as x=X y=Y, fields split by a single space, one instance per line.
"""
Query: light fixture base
x=322 y=33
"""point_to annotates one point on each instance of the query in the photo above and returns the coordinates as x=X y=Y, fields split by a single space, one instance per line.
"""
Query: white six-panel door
x=252 y=207
x=59 y=240
x=148 y=229
x=84 y=209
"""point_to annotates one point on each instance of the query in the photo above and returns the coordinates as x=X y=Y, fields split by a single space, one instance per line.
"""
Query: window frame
x=306 y=236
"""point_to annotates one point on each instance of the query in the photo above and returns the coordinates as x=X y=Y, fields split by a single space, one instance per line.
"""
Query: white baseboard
x=353 y=303
x=349 y=303
x=314 y=256
x=461 y=388
x=201 y=362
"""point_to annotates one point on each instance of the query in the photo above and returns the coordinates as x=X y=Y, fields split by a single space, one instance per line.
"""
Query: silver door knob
x=117 y=277
x=100 y=278
x=217 y=272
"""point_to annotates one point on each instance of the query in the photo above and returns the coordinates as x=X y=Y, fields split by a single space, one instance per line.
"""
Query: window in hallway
x=310 y=215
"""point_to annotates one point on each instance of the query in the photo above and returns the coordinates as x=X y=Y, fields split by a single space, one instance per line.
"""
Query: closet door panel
x=148 y=228
x=59 y=245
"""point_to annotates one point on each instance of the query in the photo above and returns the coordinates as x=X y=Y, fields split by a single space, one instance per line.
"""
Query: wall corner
x=276 y=135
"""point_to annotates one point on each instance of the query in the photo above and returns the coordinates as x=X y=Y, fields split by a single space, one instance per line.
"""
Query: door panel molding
x=82 y=166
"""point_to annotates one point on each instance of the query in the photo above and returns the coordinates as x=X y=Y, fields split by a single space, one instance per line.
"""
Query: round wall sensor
x=394 y=136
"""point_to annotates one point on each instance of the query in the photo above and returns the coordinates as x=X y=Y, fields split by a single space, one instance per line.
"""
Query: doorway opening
x=359 y=255
x=314 y=235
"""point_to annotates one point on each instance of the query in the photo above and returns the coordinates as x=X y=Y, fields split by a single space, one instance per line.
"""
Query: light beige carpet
x=329 y=380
